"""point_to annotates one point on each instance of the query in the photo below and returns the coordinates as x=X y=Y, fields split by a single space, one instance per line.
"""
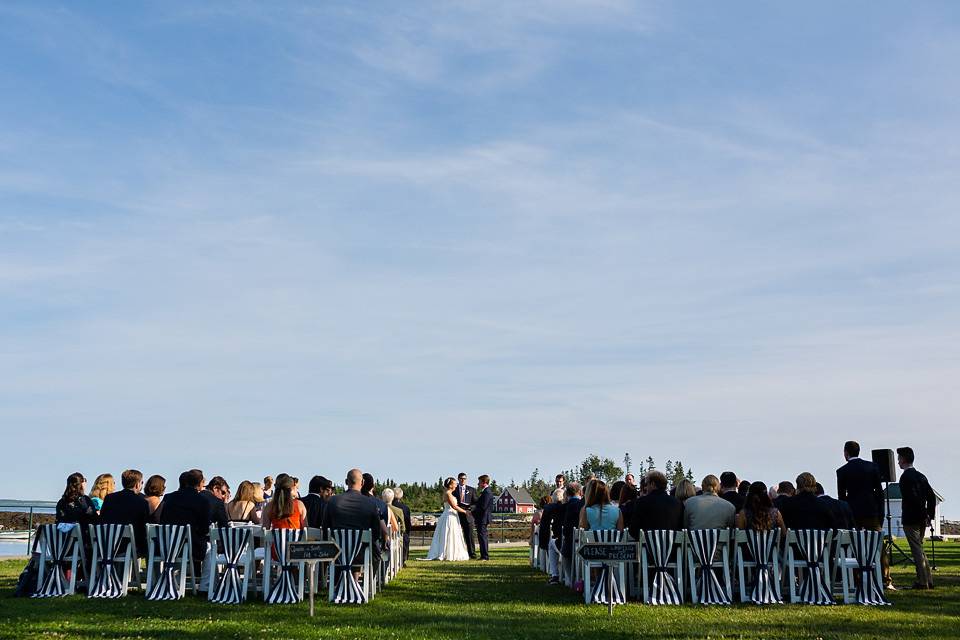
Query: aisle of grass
x=501 y=599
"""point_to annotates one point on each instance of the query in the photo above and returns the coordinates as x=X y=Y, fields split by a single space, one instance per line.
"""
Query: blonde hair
x=245 y=492
x=684 y=489
x=258 y=492
x=103 y=485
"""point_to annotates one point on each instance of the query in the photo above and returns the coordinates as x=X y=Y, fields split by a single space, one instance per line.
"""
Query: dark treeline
x=422 y=496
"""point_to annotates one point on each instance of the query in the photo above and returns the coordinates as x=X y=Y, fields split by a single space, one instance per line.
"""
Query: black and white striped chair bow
x=867 y=546
x=346 y=588
x=658 y=545
x=284 y=589
x=704 y=544
x=814 y=584
x=599 y=593
x=766 y=585
x=171 y=541
x=59 y=545
x=229 y=586
x=107 y=582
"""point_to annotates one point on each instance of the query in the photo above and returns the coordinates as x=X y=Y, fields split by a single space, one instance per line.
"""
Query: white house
x=896 y=509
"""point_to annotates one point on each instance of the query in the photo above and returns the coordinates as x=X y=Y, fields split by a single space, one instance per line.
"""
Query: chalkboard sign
x=610 y=552
x=320 y=550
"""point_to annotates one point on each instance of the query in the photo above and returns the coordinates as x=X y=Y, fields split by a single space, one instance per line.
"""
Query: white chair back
x=169 y=561
x=708 y=565
x=113 y=544
x=61 y=549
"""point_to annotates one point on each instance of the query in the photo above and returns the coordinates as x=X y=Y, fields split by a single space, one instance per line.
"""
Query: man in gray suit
x=708 y=510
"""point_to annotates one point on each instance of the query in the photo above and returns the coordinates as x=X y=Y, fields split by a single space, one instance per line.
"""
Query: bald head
x=354 y=479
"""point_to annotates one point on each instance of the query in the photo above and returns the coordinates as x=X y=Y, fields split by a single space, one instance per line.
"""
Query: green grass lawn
x=501 y=599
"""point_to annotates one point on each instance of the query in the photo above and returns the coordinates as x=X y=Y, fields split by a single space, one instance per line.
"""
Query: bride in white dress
x=448 y=542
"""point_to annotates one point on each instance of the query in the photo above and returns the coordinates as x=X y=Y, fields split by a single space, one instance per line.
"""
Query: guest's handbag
x=578 y=586
x=27 y=582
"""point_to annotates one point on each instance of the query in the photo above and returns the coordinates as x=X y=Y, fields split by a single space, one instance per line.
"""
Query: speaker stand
x=889 y=544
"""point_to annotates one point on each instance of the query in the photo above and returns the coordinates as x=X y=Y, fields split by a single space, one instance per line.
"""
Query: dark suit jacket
x=919 y=500
x=127 y=507
x=188 y=507
x=353 y=510
x=656 y=510
x=779 y=500
x=551 y=522
x=806 y=511
x=469 y=497
x=218 y=509
x=483 y=506
x=858 y=484
x=315 y=506
x=841 y=512
x=571 y=520
x=406 y=516
x=733 y=498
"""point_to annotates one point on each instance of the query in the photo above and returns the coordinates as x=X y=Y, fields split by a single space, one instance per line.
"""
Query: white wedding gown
x=448 y=542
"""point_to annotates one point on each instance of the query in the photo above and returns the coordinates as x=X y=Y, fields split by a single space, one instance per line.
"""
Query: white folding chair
x=287 y=588
x=599 y=592
x=230 y=571
x=808 y=566
x=762 y=568
x=354 y=552
x=169 y=561
x=662 y=555
x=110 y=541
x=708 y=556
x=860 y=567
x=61 y=549
x=535 y=547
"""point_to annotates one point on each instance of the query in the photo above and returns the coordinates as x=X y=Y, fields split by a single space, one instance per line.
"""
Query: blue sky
x=421 y=238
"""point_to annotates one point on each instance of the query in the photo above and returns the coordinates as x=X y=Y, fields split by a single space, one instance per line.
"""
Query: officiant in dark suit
x=481 y=514
x=466 y=497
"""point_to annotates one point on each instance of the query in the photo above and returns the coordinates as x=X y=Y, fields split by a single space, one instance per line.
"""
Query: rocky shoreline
x=19 y=521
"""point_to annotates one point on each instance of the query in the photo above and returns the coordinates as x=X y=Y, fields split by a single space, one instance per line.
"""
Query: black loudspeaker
x=887 y=462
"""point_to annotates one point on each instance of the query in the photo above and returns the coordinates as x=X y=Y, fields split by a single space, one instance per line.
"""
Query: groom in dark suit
x=466 y=496
x=481 y=513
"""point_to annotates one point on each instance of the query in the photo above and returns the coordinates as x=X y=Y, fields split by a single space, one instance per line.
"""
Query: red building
x=514 y=500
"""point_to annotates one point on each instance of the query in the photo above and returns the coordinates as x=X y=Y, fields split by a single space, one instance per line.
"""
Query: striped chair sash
x=59 y=545
x=659 y=545
x=229 y=587
x=867 y=546
x=171 y=541
x=763 y=547
x=347 y=589
x=283 y=590
x=107 y=539
x=600 y=593
x=814 y=584
x=704 y=543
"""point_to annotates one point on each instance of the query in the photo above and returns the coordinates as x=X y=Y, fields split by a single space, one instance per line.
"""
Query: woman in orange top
x=284 y=511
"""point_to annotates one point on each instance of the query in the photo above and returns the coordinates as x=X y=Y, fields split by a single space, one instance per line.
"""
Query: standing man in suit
x=129 y=507
x=919 y=510
x=571 y=518
x=858 y=484
x=407 y=523
x=481 y=514
x=466 y=496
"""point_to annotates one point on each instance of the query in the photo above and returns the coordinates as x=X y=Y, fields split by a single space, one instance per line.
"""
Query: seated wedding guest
x=102 y=487
x=217 y=493
x=320 y=490
x=128 y=506
x=804 y=510
x=407 y=523
x=384 y=512
x=285 y=511
x=840 y=511
x=538 y=514
x=353 y=510
x=267 y=487
x=571 y=520
x=628 y=494
x=657 y=509
x=153 y=491
x=684 y=490
x=708 y=510
x=728 y=489
x=758 y=513
x=599 y=514
x=243 y=507
x=615 y=490
x=551 y=535
x=772 y=492
x=186 y=506
x=785 y=491
x=388 y=496
x=76 y=507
